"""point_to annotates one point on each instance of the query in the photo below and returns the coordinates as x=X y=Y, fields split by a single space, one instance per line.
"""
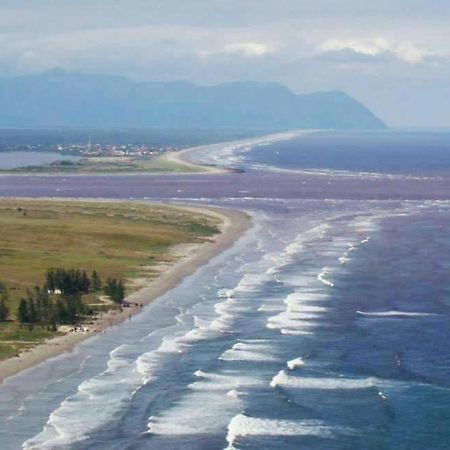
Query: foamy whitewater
x=324 y=327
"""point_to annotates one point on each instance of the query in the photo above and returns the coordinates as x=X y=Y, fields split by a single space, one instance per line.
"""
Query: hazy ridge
x=62 y=99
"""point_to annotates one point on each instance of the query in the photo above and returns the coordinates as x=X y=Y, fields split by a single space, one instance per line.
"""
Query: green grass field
x=117 y=239
x=110 y=165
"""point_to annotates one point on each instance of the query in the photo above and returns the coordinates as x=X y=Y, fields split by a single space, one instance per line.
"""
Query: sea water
x=324 y=327
x=393 y=152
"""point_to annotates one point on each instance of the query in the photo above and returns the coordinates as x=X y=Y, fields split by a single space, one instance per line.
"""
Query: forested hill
x=62 y=99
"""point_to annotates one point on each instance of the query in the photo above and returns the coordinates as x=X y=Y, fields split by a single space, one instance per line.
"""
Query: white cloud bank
x=251 y=49
x=394 y=55
x=247 y=49
x=404 y=51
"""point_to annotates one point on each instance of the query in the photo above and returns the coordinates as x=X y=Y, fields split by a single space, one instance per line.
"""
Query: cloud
x=247 y=49
x=250 y=49
x=370 y=49
x=404 y=51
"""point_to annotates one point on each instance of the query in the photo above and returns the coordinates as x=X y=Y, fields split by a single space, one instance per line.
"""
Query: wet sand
x=181 y=158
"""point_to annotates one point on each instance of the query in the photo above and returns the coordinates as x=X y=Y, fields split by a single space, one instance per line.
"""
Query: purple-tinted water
x=255 y=184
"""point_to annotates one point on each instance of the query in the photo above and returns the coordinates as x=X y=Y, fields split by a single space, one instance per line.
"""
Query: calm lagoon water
x=14 y=160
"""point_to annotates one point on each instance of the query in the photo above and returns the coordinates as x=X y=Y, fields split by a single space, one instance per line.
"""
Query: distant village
x=92 y=150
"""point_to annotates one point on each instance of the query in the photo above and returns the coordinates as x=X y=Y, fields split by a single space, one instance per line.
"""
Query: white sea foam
x=101 y=396
x=256 y=350
x=295 y=247
x=252 y=282
x=207 y=407
x=292 y=321
x=146 y=364
x=272 y=270
x=233 y=303
x=291 y=332
x=192 y=417
x=170 y=345
x=299 y=301
x=201 y=322
x=252 y=344
x=322 y=277
x=394 y=314
x=242 y=425
x=242 y=355
x=231 y=154
x=294 y=363
x=275 y=307
x=304 y=280
x=284 y=380
x=234 y=393
x=208 y=381
x=366 y=225
x=225 y=293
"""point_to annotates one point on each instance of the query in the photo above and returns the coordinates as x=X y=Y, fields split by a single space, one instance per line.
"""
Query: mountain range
x=64 y=99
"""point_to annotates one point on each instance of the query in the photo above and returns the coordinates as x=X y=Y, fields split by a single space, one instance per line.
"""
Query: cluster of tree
x=4 y=310
x=72 y=281
x=39 y=308
x=115 y=290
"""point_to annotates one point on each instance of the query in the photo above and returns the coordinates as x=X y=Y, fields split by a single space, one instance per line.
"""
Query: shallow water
x=16 y=159
x=324 y=327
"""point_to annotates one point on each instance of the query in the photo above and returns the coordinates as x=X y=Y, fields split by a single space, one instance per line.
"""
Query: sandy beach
x=181 y=158
x=188 y=259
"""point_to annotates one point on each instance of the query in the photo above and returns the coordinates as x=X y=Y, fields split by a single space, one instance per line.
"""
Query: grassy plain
x=117 y=239
x=113 y=164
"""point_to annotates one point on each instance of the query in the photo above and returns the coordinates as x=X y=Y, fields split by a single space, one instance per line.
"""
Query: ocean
x=387 y=152
x=324 y=327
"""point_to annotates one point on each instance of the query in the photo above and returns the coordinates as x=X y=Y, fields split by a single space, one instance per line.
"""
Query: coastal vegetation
x=59 y=301
x=64 y=262
x=110 y=164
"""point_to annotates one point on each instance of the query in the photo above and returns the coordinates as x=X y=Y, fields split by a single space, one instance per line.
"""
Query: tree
x=96 y=283
x=60 y=312
x=44 y=305
x=32 y=310
x=72 y=309
x=51 y=280
x=69 y=282
x=4 y=311
x=120 y=291
x=85 y=282
x=22 y=311
x=115 y=290
x=3 y=291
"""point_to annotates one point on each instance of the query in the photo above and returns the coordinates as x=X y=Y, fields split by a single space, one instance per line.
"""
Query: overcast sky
x=393 y=55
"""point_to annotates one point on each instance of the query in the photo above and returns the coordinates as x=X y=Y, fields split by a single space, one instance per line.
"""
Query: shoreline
x=233 y=225
x=178 y=158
